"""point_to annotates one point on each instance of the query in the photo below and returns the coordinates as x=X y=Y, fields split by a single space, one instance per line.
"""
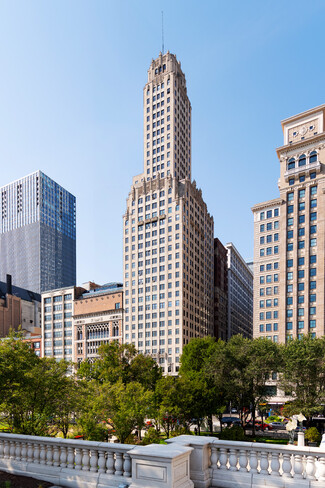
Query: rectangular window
x=301 y=286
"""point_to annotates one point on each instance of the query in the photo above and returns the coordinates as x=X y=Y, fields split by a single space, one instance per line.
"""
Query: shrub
x=312 y=435
x=151 y=437
x=181 y=431
x=234 y=433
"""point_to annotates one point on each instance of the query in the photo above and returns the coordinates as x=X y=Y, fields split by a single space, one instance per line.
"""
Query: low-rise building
x=19 y=308
x=97 y=319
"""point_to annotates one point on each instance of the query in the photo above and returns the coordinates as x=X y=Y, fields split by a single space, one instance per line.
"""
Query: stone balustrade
x=186 y=462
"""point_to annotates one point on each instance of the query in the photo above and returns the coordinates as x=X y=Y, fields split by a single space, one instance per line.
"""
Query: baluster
x=42 y=455
x=49 y=454
x=94 y=460
x=30 y=452
x=253 y=462
x=232 y=459
x=12 y=449
x=70 y=457
x=275 y=463
x=321 y=469
x=36 y=453
x=18 y=450
x=127 y=465
x=6 y=449
x=63 y=457
x=24 y=451
x=1 y=448
x=101 y=462
x=310 y=468
x=286 y=465
x=264 y=463
x=56 y=455
x=110 y=462
x=297 y=466
x=243 y=460
x=118 y=464
x=223 y=458
x=214 y=457
x=85 y=460
x=77 y=459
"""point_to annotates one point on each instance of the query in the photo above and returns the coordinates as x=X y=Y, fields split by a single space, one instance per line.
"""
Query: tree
x=194 y=360
x=126 y=406
x=241 y=368
x=30 y=387
x=121 y=362
x=303 y=374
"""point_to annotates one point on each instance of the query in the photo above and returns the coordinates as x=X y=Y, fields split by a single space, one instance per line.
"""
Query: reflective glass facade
x=38 y=233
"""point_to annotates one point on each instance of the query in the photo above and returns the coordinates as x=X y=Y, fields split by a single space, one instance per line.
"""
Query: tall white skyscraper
x=168 y=233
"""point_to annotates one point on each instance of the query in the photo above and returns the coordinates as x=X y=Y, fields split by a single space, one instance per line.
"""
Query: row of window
x=269 y=238
x=269 y=328
x=269 y=303
x=268 y=278
x=269 y=226
x=302 y=160
x=269 y=214
x=268 y=266
x=268 y=251
x=301 y=286
x=301 y=324
x=269 y=291
x=302 y=206
x=301 y=299
x=302 y=178
x=301 y=244
x=302 y=193
x=57 y=299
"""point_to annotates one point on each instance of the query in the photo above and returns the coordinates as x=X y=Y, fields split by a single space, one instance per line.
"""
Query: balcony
x=303 y=169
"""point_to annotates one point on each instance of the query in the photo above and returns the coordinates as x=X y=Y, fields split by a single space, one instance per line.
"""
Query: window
x=313 y=242
x=290 y=234
x=313 y=229
x=301 y=244
x=301 y=206
x=312 y=259
x=290 y=275
x=301 y=219
x=313 y=175
x=312 y=297
x=269 y=214
x=301 y=231
x=289 y=300
x=291 y=181
x=290 y=246
x=261 y=328
x=302 y=160
x=289 y=326
x=290 y=209
x=276 y=249
x=262 y=228
x=313 y=216
x=290 y=221
x=313 y=203
x=312 y=323
x=276 y=212
x=291 y=163
x=302 y=193
x=301 y=324
x=301 y=286
x=290 y=197
x=289 y=263
x=313 y=190
x=301 y=261
x=313 y=157
x=301 y=299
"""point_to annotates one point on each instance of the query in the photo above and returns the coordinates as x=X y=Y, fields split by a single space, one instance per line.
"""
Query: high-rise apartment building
x=289 y=236
x=168 y=232
x=38 y=233
x=240 y=294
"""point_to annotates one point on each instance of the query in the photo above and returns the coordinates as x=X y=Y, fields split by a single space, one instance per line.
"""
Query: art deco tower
x=168 y=232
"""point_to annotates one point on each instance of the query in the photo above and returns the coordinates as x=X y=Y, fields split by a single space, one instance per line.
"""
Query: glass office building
x=38 y=233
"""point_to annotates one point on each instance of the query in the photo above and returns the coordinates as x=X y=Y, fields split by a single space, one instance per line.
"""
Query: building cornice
x=295 y=146
x=269 y=203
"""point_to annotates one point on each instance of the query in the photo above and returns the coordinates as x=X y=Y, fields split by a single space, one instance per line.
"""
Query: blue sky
x=72 y=74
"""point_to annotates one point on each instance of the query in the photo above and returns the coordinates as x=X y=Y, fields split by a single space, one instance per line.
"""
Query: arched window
x=302 y=160
x=313 y=157
x=291 y=163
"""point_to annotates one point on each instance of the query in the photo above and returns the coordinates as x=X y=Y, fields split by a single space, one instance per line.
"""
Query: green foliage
x=151 y=437
x=234 y=433
x=312 y=435
x=303 y=374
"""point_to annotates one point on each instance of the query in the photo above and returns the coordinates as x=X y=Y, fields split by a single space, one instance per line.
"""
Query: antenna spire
x=162 y=31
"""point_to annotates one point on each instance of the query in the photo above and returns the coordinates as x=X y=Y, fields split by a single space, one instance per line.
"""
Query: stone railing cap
x=191 y=439
x=170 y=451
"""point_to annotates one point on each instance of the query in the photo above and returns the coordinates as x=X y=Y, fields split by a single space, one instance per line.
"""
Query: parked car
x=258 y=425
x=227 y=421
x=278 y=425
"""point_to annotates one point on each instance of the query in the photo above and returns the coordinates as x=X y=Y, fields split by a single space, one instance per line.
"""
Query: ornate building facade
x=168 y=232
x=289 y=236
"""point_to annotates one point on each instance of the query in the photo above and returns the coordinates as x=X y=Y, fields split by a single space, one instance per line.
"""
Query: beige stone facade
x=97 y=320
x=168 y=232
x=289 y=236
